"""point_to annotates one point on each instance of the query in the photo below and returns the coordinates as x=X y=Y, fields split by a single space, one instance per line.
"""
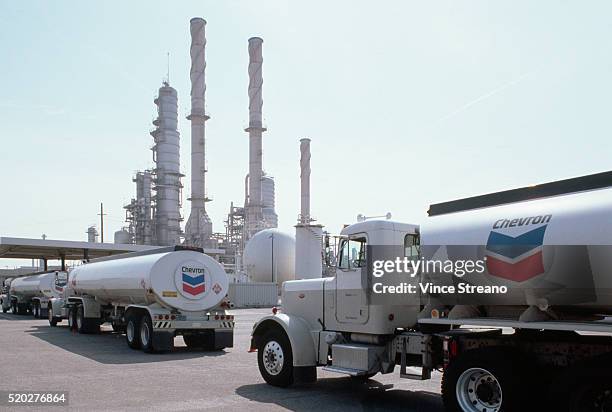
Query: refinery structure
x=153 y=216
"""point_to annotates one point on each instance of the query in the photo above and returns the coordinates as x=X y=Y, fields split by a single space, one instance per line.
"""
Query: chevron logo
x=193 y=284
x=516 y=258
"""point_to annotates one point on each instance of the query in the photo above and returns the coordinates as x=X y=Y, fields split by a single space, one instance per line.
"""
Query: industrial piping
x=199 y=226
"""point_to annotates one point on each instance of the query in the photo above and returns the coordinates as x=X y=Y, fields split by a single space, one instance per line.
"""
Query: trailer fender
x=91 y=308
x=55 y=305
x=298 y=332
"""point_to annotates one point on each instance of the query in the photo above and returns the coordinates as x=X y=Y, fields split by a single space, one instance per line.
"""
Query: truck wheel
x=132 y=334
x=72 y=325
x=4 y=309
x=583 y=388
x=117 y=327
x=80 y=319
x=52 y=319
x=275 y=359
x=483 y=380
x=36 y=310
x=146 y=334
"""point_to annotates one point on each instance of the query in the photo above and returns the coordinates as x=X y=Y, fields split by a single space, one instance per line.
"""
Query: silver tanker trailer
x=31 y=293
x=525 y=328
x=152 y=296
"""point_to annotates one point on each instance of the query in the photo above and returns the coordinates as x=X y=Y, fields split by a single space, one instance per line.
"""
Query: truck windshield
x=352 y=253
x=411 y=246
x=61 y=279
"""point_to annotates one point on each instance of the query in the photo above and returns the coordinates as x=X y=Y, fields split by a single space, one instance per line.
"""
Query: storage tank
x=269 y=256
x=185 y=280
x=549 y=252
x=123 y=237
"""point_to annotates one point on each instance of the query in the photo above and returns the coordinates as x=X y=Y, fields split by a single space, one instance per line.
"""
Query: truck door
x=351 y=281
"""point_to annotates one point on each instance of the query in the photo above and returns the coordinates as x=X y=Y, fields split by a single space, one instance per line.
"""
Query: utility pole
x=102 y=214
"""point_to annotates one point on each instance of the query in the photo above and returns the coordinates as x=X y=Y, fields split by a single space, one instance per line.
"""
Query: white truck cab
x=335 y=314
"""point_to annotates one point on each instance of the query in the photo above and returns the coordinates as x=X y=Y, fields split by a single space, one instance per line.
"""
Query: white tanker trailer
x=553 y=255
x=153 y=296
x=31 y=293
x=546 y=344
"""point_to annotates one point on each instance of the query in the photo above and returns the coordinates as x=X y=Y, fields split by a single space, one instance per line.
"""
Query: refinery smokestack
x=304 y=181
x=255 y=130
x=308 y=236
x=199 y=226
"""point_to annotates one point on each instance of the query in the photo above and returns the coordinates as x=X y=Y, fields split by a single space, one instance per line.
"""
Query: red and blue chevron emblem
x=193 y=284
x=516 y=258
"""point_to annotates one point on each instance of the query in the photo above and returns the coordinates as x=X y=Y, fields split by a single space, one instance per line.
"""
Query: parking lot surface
x=101 y=373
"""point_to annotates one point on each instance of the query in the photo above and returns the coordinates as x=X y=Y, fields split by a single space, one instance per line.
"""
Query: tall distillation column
x=199 y=226
x=143 y=227
x=167 y=182
x=308 y=236
x=254 y=206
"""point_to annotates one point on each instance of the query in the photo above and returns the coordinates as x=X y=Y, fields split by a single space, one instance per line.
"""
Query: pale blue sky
x=406 y=103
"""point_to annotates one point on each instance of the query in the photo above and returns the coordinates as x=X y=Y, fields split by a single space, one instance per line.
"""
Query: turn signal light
x=274 y=310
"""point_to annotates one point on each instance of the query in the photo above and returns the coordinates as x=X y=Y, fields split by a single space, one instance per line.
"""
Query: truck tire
x=4 y=309
x=52 y=319
x=86 y=325
x=484 y=379
x=146 y=334
x=132 y=330
x=584 y=388
x=36 y=310
x=275 y=359
x=72 y=318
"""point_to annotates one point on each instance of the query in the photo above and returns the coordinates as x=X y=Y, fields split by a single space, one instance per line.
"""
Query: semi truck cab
x=329 y=321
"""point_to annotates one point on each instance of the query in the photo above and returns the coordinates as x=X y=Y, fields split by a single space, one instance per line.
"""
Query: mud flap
x=223 y=339
x=163 y=341
x=304 y=374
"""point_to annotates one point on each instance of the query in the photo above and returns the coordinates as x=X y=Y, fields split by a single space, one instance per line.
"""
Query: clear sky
x=407 y=103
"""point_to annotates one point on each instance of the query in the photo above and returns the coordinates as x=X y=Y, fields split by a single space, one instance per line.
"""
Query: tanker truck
x=152 y=297
x=31 y=293
x=5 y=301
x=529 y=329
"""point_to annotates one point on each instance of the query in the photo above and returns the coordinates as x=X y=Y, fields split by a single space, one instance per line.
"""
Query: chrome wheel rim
x=478 y=390
x=273 y=357
x=129 y=331
x=145 y=334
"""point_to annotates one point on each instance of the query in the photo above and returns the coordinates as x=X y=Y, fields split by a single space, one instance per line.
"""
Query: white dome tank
x=260 y=257
x=123 y=237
